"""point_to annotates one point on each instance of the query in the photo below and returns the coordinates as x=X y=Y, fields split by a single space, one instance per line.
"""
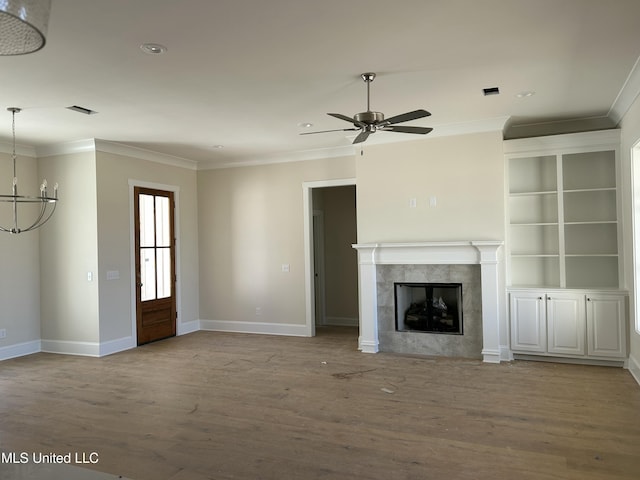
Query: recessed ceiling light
x=218 y=146
x=305 y=125
x=525 y=94
x=153 y=48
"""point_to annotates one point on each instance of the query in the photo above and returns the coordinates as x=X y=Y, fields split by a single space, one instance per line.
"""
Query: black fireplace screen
x=429 y=307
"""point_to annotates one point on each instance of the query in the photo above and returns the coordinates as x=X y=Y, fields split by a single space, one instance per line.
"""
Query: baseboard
x=634 y=368
x=115 y=346
x=505 y=353
x=87 y=349
x=341 y=322
x=184 y=328
x=20 y=349
x=255 y=327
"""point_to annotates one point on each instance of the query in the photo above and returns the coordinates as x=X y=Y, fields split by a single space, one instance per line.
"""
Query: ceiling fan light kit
x=370 y=122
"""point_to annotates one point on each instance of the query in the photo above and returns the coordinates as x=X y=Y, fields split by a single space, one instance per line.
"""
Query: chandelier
x=23 y=25
x=46 y=204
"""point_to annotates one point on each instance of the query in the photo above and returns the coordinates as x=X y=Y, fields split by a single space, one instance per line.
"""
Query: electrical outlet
x=258 y=311
x=3 y=333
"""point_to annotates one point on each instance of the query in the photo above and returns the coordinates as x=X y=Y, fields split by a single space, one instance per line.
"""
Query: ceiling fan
x=369 y=122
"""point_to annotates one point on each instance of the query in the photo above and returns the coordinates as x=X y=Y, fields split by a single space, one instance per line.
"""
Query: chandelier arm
x=39 y=222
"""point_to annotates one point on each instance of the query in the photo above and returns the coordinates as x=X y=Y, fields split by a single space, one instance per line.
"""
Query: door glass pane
x=148 y=274
x=164 y=272
x=162 y=222
x=147 y=231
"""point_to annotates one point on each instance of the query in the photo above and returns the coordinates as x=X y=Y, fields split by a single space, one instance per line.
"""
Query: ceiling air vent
x=86 y=111
x=491 y=91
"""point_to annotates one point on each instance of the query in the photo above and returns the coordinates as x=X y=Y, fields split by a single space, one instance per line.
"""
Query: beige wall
x=20 y=260
x=630 y=136
x=250 y=223
x=114 y=173
x=464 y=173
x=68 y=251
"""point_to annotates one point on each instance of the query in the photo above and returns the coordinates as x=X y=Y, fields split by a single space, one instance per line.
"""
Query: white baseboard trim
x=87 y=349
x=341 y=322
x=367 y=346
x=20 y=349
x=184 y=328
x=634 y=368
x=490 y=355
x=118 y=345
x=505 y=353
x=255 y=327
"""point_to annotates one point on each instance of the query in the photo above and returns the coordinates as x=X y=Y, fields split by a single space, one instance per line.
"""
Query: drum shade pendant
x=23 y=25
x=41 y=207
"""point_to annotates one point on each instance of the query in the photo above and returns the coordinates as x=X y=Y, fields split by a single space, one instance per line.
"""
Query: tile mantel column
x=484 y=253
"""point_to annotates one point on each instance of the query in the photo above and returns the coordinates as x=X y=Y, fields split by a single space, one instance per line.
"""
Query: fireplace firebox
x=429 y=307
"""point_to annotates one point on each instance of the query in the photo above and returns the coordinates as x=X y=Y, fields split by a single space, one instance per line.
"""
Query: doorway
x=155 y=277
x=331 y=262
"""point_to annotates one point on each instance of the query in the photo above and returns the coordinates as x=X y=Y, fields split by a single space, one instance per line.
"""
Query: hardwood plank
x=222 y=405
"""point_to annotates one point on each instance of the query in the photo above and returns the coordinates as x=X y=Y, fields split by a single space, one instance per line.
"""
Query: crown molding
x=286 y=157
x=627 y=95
x=144 y=154
x=98 y=145
x=22 y=150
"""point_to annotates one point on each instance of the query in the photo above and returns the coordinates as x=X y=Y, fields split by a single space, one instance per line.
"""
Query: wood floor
x=232 y=406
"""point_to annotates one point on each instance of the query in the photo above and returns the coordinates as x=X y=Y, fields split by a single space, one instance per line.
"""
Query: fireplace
x=485 y=327
x=428 y=307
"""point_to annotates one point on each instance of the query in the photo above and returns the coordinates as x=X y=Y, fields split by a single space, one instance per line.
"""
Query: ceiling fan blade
x=347 y=119
x=342 y=117
x=362 y=136
x=401 y=129
x=327 y=131
x=405 y=117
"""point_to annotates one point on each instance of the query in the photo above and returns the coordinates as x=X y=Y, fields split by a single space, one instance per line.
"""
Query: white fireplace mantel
x=482 y=252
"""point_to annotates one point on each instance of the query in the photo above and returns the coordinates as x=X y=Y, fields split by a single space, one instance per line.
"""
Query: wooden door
x=155 y=264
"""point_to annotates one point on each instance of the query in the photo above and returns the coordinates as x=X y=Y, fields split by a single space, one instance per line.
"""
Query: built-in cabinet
x=568 y=324
x=564 y=265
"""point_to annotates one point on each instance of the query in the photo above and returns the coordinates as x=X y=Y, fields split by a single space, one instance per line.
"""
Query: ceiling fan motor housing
x=369 y=118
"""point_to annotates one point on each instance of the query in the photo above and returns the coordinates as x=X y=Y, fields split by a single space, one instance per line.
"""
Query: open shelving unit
x=563 y=229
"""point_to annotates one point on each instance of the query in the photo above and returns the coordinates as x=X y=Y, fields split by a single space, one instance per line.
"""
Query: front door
x=155 y=264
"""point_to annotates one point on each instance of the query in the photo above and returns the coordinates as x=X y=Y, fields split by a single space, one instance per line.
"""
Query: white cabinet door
x=606 y=325
x=528 y=322
x=566 y=323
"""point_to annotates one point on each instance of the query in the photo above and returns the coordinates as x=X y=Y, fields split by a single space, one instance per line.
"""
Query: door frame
x=318 y=259
x=132 y=250
x=307 y=202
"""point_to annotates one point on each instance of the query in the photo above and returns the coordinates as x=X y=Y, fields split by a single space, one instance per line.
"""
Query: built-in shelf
x=563 y=211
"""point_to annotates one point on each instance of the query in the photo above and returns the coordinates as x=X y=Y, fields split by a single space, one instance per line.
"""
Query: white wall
x=68 y=251
x=251 y=222
x=20 y=260
x=630 y=132
x=114 y=173
x=464 y=173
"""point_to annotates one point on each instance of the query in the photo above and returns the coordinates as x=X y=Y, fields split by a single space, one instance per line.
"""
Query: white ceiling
x=246 y=73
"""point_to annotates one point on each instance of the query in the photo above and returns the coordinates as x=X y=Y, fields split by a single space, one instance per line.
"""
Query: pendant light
x=23 y=25
x=47 y=203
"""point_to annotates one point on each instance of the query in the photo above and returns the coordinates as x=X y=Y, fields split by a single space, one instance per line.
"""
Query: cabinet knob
x=539 y=298
x=588 y=299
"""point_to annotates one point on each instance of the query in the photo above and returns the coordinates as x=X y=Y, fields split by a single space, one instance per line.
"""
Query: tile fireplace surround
x=483 y=253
